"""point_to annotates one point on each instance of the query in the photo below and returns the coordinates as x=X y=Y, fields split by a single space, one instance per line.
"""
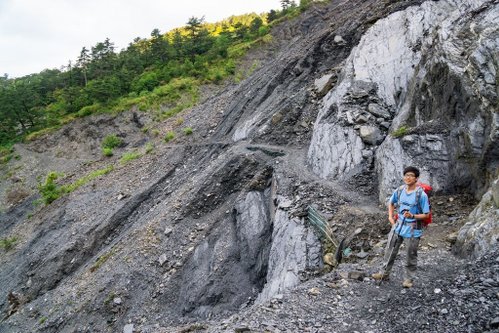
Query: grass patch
x=187 y=130
x=127 y=157
x=101 y=260
x=88 y=110
x=400 y=132
x=51 y=191
x=108 y=152
x=6 y=153
x=170 y=135
x=176 y=95
x=8 y=244
x=149 y=148
x=109 y=143
x=82 y=181
x=179 y=121
x=38 y=134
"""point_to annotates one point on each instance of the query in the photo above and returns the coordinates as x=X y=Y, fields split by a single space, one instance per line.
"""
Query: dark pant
x=392 y=250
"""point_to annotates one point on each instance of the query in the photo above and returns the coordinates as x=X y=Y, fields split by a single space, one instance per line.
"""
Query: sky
x=40 y=34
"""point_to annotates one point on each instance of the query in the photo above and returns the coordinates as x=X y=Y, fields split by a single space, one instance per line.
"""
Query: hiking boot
x=407 y=283
x=381 y=276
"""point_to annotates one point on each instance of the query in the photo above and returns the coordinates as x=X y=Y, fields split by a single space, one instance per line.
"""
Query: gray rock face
x=481 y=231
x=449 y=139
x=335 y=150
x=495 y=192
x=295 y=248
x=232 y=261
x=415 y=67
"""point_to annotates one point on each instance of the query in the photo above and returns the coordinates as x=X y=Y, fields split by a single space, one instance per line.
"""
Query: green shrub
x=130 y=156
x=149 y=148
x=111 y=141
x=179 y=121
x=169 y=136
x=187 y=131
x=49 y=190
x=263 y=30
x=107 y=152
x=147 y=81
x=6 y=154
x=8 y=243
x=88 y=110
x=400 y=132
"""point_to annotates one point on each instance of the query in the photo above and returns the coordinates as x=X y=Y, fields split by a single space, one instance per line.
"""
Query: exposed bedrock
x=427 y=76
x=230 y=265
x=481 y=232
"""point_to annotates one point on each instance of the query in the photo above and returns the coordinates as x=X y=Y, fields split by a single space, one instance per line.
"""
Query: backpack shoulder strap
x=399 y=192
x=419 y=192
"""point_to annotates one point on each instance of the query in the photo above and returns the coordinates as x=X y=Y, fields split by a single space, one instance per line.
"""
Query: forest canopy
x=164 y=69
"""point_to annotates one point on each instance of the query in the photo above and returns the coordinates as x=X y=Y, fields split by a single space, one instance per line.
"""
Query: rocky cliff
x=215 y=223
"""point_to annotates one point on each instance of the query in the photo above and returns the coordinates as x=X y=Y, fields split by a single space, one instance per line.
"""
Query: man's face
x=410 y=178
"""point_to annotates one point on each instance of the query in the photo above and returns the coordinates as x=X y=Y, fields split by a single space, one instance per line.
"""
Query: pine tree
x=82 y=62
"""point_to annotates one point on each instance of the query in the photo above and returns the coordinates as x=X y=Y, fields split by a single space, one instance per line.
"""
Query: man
x=406 y=226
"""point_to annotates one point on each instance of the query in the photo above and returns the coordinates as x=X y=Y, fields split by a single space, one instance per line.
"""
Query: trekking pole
x=394 y=239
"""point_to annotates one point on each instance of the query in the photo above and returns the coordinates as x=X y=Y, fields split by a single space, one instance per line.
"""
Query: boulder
x=378 y=111
x=128 y=328
x=339 y=40
x=324 y=84
x=370 y=135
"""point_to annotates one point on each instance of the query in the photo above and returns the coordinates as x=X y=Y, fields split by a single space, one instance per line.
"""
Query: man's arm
x=425 y=207
x=391 y=210
x=417 y=216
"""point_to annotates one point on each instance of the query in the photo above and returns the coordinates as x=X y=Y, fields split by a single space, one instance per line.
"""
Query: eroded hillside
x=211 y=227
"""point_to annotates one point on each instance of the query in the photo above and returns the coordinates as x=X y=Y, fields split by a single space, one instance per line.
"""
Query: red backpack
x=420 y=188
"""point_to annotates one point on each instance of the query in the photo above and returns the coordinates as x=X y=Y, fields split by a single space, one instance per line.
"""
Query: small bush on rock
x=169 y=136
x=109 y=143
x=8 y=243
x=127 y=157
x=400 y=132
x=107 y=152
x=49 y=190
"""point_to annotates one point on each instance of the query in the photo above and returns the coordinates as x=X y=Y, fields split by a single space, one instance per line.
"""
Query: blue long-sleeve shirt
x=408 y=202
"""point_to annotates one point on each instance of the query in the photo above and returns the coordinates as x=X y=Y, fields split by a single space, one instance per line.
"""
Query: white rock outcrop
x=434 y=61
